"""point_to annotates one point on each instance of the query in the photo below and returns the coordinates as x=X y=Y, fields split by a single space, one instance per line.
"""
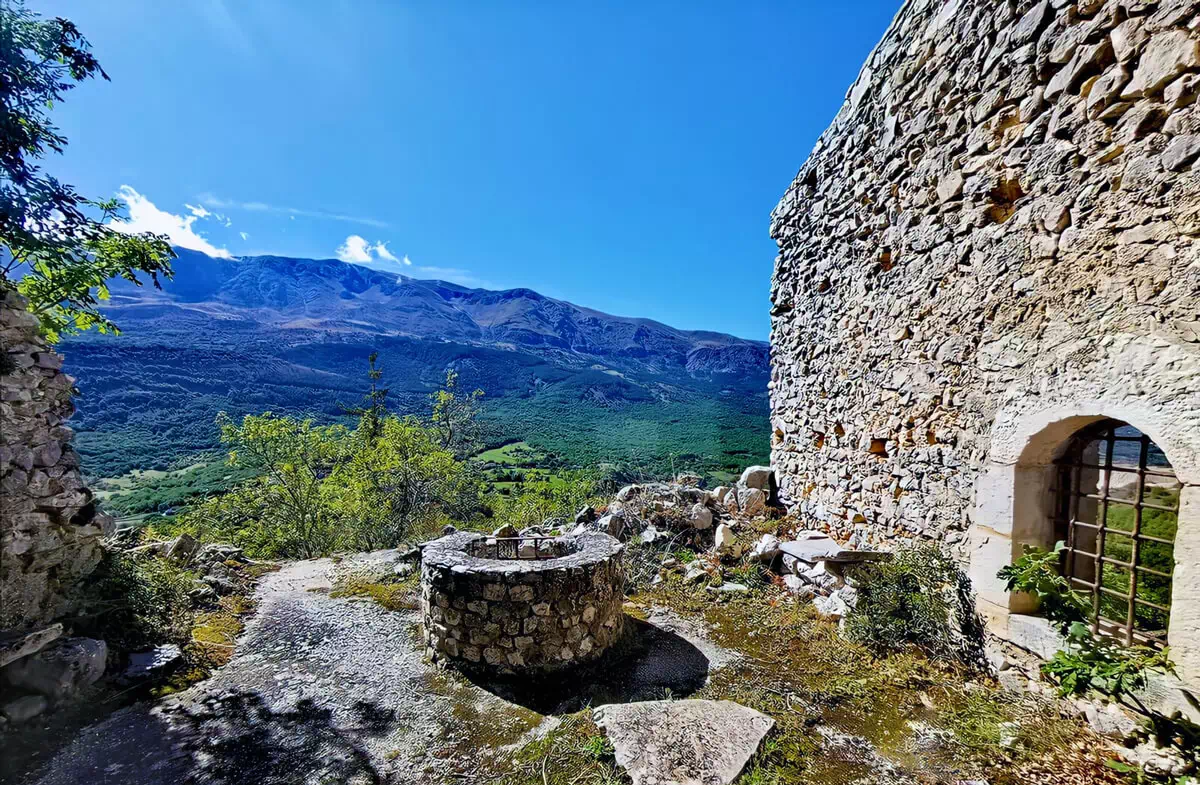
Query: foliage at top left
x=57 y=247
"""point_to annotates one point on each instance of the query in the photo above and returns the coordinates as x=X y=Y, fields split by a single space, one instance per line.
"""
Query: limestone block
x=14 y=647
x=759 y=477
x=60 y=670
x=1167 y=55
x=687 y=742
x=751 y=501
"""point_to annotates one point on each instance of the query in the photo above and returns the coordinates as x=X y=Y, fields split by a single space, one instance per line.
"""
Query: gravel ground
x=326 y=690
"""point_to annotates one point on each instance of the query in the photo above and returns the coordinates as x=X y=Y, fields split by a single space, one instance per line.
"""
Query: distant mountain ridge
x=293 y=335
x=330 y=295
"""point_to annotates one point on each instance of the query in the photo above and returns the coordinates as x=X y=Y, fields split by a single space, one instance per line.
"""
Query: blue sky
x=623 y=155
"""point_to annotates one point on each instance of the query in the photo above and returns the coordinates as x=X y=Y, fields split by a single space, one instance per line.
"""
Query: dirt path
x=334 y=690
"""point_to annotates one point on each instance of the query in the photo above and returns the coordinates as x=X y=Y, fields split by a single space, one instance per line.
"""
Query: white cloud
x=145 y=217
x=355 y=250
x=381 y=250
x=358 y=250
x=245 y=236
x=199 y=212
x=218 y=203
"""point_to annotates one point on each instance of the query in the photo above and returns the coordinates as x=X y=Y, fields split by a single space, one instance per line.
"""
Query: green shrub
x=135 y=604
x=1098 y=663
x=329 y=488
x=920 y=598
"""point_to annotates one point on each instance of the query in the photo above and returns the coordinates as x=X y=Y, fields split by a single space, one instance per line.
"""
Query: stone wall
x=50 y=530
x=512 y=615
x=999 y=231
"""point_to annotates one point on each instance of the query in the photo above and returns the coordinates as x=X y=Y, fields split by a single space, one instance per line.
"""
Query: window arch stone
x=1014 y=510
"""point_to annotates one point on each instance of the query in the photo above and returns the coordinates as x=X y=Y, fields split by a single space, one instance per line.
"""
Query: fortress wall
x=999 y=231
x=50 y=531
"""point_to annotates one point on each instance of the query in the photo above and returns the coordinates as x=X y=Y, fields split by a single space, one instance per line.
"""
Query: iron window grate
x=1117 y=507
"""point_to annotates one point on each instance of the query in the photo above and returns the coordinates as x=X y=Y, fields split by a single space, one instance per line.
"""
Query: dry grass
x=800 y=671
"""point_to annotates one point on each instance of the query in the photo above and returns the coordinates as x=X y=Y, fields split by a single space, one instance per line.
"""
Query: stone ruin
x=50 y=529
x=522 y=604
x=994 y=245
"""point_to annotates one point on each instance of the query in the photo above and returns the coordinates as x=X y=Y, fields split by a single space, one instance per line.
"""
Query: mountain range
x=293 y=335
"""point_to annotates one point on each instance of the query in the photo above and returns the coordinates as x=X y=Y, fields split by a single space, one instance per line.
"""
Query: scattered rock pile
x=683 y=512
x=214 y=563
x=668 y=516
x=814 y=565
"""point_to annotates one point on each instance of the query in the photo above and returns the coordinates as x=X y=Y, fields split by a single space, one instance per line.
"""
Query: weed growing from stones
x=920 y=598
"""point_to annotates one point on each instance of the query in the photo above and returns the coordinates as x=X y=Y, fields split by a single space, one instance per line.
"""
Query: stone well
x=521 y=605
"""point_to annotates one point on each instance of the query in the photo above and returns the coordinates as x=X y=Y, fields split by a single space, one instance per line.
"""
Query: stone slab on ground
x=812 y=549
x=688 y=742
x=14 y=647
x=818 y=547
x=24 y=709
x=152 y=664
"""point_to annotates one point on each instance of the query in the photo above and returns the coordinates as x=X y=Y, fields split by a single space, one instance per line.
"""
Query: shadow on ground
x=650 y=663
x=234 y=737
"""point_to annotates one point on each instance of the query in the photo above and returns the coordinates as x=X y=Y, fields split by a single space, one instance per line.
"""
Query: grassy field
x=510 y=466
x=141 y=492
x=514 y=454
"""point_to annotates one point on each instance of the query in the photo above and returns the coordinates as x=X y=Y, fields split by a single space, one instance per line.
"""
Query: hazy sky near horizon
x=624 y=156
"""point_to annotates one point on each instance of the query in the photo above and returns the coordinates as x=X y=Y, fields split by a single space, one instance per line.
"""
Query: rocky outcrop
x=50 y=529
x=61 y=671
x=1006 y=209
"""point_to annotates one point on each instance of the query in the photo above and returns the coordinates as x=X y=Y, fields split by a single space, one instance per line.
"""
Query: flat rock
x=14 y=647
x=812 y=549
x=855 y=557
x=24 y=709
x=152 y=664
x=820 y=547
x=730 y=588
x=687 y=742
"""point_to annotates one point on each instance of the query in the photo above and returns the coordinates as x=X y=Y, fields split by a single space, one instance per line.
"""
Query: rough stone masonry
x=514 y=612
x=50 y=530
x=1003 y=219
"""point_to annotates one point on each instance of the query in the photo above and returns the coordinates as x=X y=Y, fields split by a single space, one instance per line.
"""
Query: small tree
x=539 y=499
x=56 y=247
x=373 y=408
x=399 y=483
x=295 y=457
x=455 y=416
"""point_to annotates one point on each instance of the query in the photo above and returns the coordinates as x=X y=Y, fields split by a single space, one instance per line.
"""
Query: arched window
x=1117 y=508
